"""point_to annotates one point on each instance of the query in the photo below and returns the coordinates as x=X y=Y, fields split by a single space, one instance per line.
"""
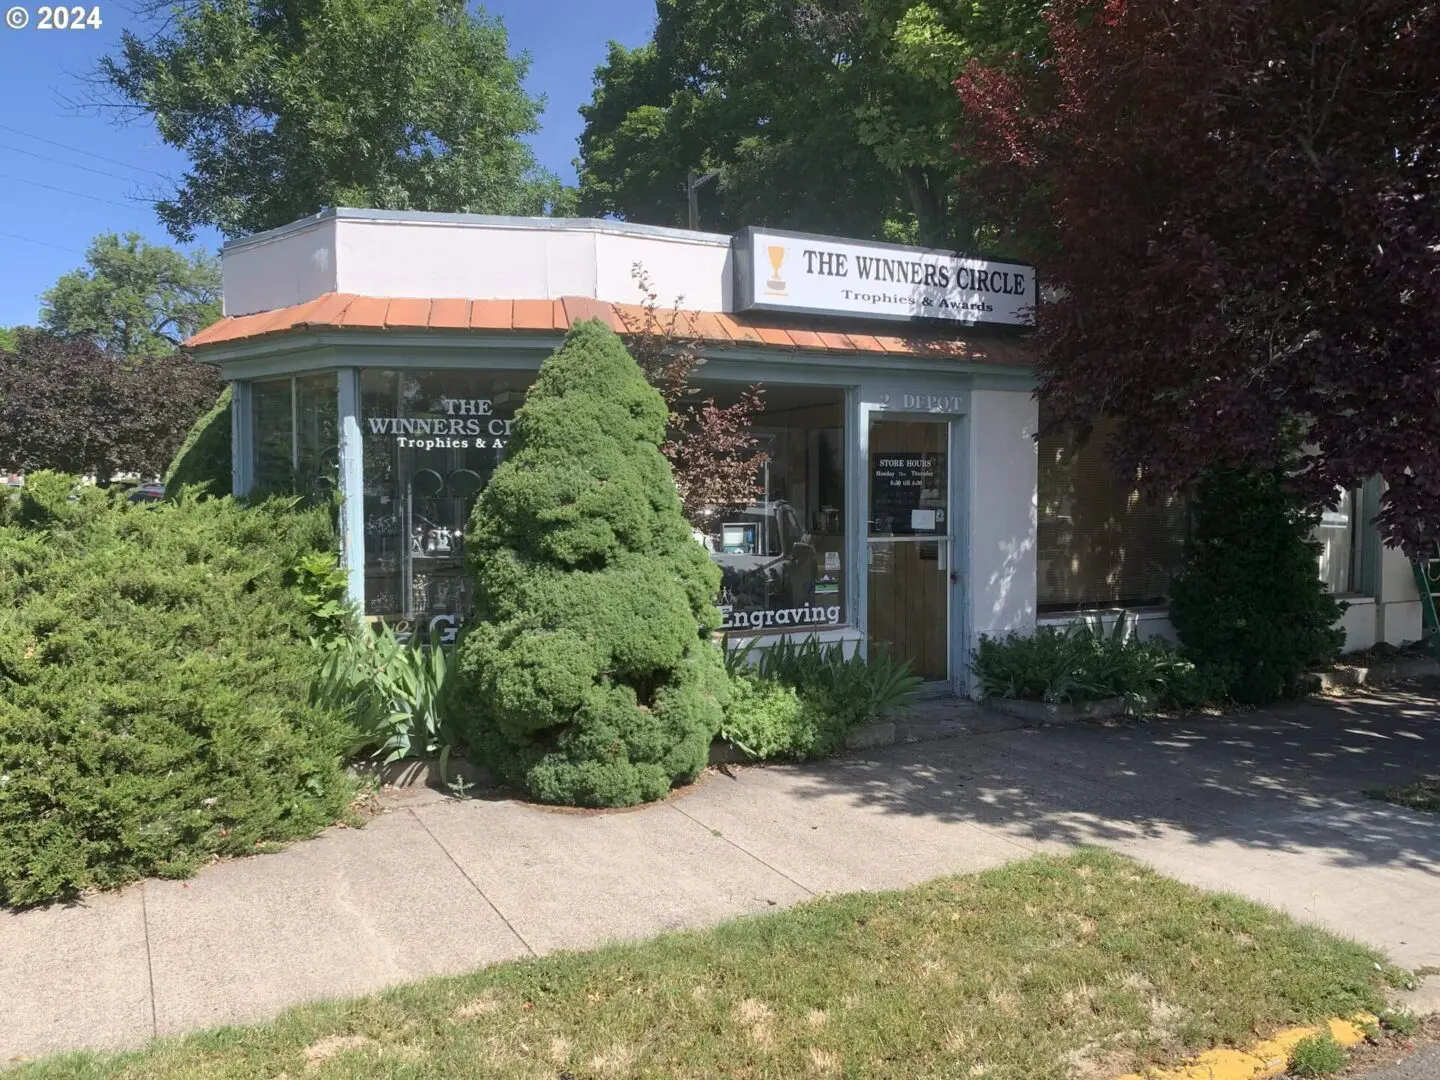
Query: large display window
x=430 y=439
x=1339 y=535
x=782 y=554
x=272 y=433
x=1099 y=544
x=294 y=430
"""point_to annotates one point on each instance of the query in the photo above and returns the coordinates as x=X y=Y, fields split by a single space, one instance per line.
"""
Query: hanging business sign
x=823 y=275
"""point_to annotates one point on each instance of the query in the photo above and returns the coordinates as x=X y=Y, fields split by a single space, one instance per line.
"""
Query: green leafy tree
x=284 y=109
x=835 y=117
x=10 y=338
x=587 y=675
x=133 y=298
x=1248 y=605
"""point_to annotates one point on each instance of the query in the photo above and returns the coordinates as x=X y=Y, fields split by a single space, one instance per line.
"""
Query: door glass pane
x=909 y=478
x=909 y=610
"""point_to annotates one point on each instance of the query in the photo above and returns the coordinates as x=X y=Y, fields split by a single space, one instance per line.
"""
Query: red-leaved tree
x=1235 y=204
x=70 y=406
x=712 y=451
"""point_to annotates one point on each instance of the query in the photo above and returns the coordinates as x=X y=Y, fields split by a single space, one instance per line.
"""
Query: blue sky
x=105 y=172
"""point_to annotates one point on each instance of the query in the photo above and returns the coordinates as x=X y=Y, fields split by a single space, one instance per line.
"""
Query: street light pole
x=693 y=183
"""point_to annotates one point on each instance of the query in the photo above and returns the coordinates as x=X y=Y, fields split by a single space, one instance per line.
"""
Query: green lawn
x=1421 y=795
x=1082 y=966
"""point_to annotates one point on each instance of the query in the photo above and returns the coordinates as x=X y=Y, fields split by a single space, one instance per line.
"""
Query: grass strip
x=1421 y=795
x=1084 y=965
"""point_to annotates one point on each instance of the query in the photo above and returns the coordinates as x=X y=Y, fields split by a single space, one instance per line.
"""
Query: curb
x=1263 y=1060
x=1047 y=714
x=425 y=772
x=1386 y=671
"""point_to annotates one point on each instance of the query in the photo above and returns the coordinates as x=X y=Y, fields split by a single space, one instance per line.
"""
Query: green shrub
x=801 y=698
x=1317 y=1055
x=862 y=689
x=1248 y=604
x=203 y=459
x=322 y=585
x=586 y=674
x=154 y=667
x=765 y=719
x=1083 y=662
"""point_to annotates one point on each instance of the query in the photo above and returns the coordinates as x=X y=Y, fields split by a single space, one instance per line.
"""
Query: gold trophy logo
x=776 y=285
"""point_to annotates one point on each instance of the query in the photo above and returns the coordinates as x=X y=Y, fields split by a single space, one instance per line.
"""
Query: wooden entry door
x=908 y=554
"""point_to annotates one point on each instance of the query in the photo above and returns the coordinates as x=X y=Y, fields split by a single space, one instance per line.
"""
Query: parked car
x=147 y=493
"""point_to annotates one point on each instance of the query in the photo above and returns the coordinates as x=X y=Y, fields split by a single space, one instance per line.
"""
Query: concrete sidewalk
x=1267 y=805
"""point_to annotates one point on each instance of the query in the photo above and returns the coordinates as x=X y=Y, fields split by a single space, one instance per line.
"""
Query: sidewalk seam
x=742 y=850
x=149 y=963
x=473 y=884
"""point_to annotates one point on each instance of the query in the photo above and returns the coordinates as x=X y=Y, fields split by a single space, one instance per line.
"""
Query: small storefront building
x=902 y=503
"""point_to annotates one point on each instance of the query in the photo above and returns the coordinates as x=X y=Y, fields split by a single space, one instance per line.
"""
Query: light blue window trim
x=960 y=496
x=352 y=485
x=857 y=441
x=242 y=453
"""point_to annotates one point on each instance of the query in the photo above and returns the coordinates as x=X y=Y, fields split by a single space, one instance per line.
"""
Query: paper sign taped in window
x=922 y=520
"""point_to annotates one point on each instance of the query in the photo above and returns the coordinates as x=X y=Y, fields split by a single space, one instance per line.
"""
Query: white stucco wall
x=372 y=253
x=1359 y=623
x=280 y=268
x=1399 y=615
x=679 y=266
x=1002 y=512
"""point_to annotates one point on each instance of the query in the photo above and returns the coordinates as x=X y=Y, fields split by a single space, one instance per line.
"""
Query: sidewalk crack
x=149 y=963
x=744 y=851
x=473 y=883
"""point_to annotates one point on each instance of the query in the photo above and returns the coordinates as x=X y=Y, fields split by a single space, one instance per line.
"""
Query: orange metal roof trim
x=345 y=311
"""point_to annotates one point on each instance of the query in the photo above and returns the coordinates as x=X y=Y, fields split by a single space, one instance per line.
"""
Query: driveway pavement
x=1266 y=804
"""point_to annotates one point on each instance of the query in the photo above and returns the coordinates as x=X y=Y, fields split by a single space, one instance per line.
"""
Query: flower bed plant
x=1084 y=663
x=801 y=698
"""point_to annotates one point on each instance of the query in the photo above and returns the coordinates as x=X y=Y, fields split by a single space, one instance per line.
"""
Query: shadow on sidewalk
x=1287 y=778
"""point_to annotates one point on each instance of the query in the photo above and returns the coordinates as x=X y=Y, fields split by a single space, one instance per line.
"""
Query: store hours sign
x=822 y=275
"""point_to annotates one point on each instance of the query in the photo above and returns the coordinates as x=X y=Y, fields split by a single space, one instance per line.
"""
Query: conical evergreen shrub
x=204 y=456
x=1248 y=605
x=587 y=675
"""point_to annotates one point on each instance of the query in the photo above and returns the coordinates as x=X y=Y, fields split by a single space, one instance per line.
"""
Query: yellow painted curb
x=1262 y=1060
